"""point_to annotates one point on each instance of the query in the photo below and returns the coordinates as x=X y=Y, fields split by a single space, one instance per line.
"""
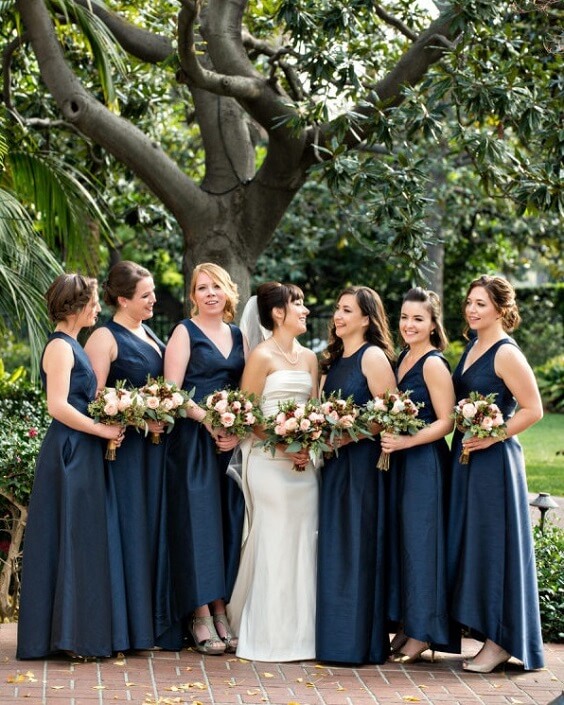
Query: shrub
x=24 y=421
x=550 y=378
x=549 y=547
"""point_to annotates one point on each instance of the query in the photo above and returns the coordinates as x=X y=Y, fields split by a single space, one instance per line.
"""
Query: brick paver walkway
x=163 y=678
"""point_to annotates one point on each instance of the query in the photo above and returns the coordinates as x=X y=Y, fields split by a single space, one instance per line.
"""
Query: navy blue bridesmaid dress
x=351 y=621
x=205 y=506
x=65 y=596
x=134 y=483
x=491 y=560
x=418 y=506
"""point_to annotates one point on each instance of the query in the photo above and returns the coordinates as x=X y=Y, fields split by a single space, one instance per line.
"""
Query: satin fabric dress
x=205 y=507
x=134 y=486
x=272 y=607
x=418 y=516
x=65 y=602
x=351 y=579
x=491 y=559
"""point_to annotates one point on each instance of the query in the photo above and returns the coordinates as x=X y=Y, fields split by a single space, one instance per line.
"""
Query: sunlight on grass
x=541 y=443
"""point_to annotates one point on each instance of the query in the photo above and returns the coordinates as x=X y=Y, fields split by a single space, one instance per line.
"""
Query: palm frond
x=64 y=207
x=27 y=267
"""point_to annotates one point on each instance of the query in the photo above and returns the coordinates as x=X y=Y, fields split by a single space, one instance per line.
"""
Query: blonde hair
x=220 y=277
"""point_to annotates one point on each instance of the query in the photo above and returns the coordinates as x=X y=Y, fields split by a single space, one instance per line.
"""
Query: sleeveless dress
x=491 y=560
x=272 y=607
x=351 y=579
x=205 y=506
x=418 y=505
x=134 y=487
x=65 y=600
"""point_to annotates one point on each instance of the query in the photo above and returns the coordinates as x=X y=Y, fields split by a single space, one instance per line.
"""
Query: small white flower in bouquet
x=232 y=411
x=117 y=406
x=345 y=418
x=164 y=402
x=396 y=413
x=478 y=415
x=298 y=426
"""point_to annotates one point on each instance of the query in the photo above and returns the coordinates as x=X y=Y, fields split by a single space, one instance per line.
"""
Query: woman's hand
x=156 y=426
x=392 y=442
x=300 y=459
x=111 y=432
x=474 y=443
x=224 y=441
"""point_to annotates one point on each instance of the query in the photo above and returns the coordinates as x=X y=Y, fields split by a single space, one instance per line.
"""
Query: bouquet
x=396 y=413
x=298 y=426
x=344 y=417
x=163 y=401
x=478 y=415
x=117 y=406
x=232 y=411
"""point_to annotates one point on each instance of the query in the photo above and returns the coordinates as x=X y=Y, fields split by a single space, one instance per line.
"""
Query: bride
x=272 y=607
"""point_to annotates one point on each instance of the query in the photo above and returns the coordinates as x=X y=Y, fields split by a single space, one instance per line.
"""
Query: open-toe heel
x=212 y=645
x=225 y=633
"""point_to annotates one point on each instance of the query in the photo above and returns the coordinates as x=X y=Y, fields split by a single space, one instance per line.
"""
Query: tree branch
x=394 y=22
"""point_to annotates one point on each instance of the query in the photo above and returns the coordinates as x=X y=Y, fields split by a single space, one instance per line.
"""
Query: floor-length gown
x=272 y=607
x=205 y=506
x=351 y=577
x=65 y=596
x=134 y=485
x=492 y=573
x=418 y=505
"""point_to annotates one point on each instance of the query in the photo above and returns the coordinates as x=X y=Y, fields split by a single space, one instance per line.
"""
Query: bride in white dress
x=272 y=607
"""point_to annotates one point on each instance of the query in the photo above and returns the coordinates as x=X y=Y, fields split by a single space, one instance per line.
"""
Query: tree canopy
x=224 y=110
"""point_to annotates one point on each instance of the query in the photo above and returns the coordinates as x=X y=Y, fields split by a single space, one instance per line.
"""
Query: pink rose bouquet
x=396 y=413
x=163 y=401
x=478 y=415
x=344 y=418
x=298 y=426
x=232 y=411
x=117 y=406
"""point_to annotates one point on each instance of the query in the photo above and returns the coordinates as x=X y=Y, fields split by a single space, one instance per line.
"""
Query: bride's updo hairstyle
x=432 y=303
x=122 y=280
x=377 y=333
x=69 y=294
x=272 y=295
x=220 y=277
x=502 y=296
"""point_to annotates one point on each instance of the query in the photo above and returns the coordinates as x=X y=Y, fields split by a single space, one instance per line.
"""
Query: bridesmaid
x=418 y=492
x=351 y=623
x=492 y=574
x=125 y=348
x=65 y=594
x=206 y=353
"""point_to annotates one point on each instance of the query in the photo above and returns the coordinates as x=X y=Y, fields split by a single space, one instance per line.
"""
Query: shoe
x=402 y=658
x=498 y=658
x=398 y=641
x=225 y=632
x=213 y=645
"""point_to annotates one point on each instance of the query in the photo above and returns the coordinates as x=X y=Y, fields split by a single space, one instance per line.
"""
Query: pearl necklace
x=285 y=355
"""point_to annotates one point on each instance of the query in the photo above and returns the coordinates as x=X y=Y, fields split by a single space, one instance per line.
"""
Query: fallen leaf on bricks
x=57 y=687
x=411 y=699
x=268 y=675
x=253 y=692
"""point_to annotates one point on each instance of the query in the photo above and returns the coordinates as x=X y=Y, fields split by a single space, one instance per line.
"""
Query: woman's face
x=89 y=314
x=208 y=296
x=479 y=310
x=140 y=305
x=348 y=317
x=294 y=316
x=416 y=323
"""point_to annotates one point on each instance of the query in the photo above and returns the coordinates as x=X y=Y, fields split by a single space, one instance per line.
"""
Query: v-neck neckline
x=225 y=357
x=486 y=351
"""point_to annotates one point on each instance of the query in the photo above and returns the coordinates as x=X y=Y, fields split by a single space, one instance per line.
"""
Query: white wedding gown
x=272 y=607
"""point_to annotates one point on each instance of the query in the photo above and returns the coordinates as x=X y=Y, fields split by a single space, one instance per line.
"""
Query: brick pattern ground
x=164 y=678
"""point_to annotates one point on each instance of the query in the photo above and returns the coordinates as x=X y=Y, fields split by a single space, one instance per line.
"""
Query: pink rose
x=487 y=423
x=227 y=419
x=398 y=407
x=305 y=425
x=468 y=410
x=316 y=418
x=280 y=418
x=347 y=421
x=316 y=434
x=111 y=396
x=299 y=412
x=152 y=389
x=379 y=404
x=221 y=406
x=291 y=425
x=152 y=402
x=124 y=402
x=236 y=406
x=177 y=399
x=327 y=407
x=167 y=404
x=280 y=429
x=111 y=408
x=497 y=420
x=248 y=405
x=250 y=419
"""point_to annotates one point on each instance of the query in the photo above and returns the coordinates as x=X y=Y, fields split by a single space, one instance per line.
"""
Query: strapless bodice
x=282 y=385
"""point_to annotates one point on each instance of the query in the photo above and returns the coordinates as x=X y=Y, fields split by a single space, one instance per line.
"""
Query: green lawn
x=541 y=442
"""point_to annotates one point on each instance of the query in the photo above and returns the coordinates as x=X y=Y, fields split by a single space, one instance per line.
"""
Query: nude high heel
x=402 y=658
x=213 y=645
x=497 y=659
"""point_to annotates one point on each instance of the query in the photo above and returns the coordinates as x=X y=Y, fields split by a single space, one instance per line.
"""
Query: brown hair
x=432 y=303
x=377 y=333
x=224 y=281
x=69 y=294
x=122 y=280
x=502 y=295
x=272 y=295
